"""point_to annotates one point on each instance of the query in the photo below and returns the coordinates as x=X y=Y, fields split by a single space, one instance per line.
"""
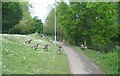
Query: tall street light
x=43 y=29
x=55 y=20
x=43 y=26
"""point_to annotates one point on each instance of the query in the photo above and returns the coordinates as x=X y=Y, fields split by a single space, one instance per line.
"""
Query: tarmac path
x=80 y=64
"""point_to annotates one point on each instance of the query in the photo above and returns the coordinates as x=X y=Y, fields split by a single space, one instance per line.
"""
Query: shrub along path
x=79 y=64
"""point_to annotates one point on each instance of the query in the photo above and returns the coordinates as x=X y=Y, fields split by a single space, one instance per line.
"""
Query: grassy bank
x=20 y=58
x=108 y=62
x=0 y=55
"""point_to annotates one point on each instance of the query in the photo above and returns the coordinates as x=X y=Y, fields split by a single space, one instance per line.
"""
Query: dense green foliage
x=0 y=17
x=11 y=15
x=91 y=24
x=28 y=24
x=107 y=62
x=24 y=26
x=17 y=19
x=49 y=25
x=20 y=58
x=38 y=25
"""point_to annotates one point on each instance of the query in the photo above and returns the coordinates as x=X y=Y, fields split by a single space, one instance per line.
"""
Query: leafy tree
x=63 y=15
x=104 y=23
x=49 y=29
x=26 y=25
x=0 y=17
x=37 y=23
x=94 y=23
x=49 y=25
x=11 y=15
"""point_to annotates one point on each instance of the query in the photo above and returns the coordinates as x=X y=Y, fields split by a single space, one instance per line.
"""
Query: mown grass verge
x=0 y=55
x=20 y=58
x=108 y=62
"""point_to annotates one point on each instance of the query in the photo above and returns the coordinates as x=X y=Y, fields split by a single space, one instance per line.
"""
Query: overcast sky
x=41 y=7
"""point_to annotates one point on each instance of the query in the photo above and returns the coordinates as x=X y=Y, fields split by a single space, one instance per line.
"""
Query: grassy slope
x=0 y=55
x=19 y=58
x=108 y=62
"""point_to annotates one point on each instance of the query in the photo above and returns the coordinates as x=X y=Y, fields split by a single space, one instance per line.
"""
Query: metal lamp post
x=43 y=25
x=43 y=29
x=55 y=21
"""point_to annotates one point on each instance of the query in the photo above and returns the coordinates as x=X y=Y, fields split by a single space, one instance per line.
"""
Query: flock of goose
x=35 y=47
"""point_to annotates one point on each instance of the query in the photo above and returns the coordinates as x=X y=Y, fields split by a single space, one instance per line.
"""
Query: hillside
x=20 y=58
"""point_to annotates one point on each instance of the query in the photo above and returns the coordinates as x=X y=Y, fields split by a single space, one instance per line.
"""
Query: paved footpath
x=79 y=64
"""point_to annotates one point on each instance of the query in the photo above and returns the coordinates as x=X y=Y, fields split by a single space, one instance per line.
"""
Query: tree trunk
x=60 y=36
x=9 y=31
x=85 y=41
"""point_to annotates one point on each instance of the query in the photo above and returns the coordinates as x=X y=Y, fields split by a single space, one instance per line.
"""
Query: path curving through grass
x=79 y=64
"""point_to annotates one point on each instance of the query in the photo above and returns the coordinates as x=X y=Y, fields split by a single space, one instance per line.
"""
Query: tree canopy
x=11 y=15
x=91 y=24
x=18 y=20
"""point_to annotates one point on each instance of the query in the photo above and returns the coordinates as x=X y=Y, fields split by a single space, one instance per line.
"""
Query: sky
x=41 y=8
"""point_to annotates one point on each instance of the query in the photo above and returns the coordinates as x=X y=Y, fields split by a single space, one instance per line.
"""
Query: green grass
x=108 y=62
x=19 y=58
x=0 y=54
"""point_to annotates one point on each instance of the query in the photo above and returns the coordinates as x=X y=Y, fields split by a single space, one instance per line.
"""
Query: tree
x=104 y=25
x=49 y=25
x=38 y=25
x=94 y=23
x=11 y=15
x=49 y=29
x=26 y=25
x=63 y=19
